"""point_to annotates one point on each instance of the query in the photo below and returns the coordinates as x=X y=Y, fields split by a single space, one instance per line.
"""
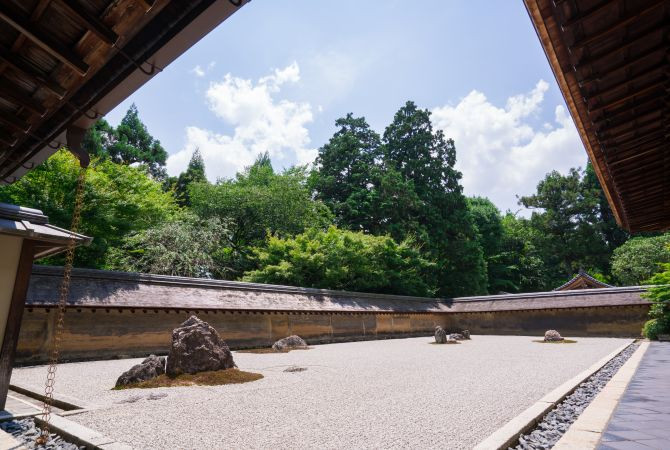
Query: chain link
x=60 y=315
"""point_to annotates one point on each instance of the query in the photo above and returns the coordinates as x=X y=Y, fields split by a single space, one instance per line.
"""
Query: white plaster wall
x=10 y=250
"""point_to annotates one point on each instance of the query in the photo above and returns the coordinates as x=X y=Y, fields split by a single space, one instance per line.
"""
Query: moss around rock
x=209 y=378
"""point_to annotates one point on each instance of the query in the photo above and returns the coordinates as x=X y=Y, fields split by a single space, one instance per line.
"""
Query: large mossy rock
x=150 y=368
x=289 y=343
x=197 y=347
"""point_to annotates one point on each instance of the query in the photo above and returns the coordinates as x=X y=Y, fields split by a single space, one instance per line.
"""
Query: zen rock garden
x=196 y=348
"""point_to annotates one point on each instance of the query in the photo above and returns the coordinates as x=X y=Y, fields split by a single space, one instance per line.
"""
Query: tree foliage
x=404 y=185
x=347 y=172
x=194 y=173
x=639 y=258
x=258 y=201
x=185 y=246
x=659 y=295
x=129 y=143
x=568 y=217
x=341 y=259
x=118 y=200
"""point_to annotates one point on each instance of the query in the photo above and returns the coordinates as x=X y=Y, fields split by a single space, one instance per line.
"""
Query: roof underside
x=66 y=63
x=612 y=64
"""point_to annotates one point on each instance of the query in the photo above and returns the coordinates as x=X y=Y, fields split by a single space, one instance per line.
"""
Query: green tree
x=659 y=295
x=118 y=200
x=568 y=237
x=420 y=161
x=98 y=138
x=129 y=143
x=194 y=173
x=184 y=247
x=639 y=258
x=346 y=260
x=490 y=235
x=523 y=260
x=256 y=202
x=613 y=235
x=345 y=173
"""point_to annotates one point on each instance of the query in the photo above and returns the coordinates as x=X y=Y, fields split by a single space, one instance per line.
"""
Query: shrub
x=659 y=295
x=339 y=259
x=639 y=258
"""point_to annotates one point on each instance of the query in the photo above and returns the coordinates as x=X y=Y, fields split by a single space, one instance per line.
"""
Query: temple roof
x=610 y=59
x=64 y=64
x=582 y=281
x=31 y=224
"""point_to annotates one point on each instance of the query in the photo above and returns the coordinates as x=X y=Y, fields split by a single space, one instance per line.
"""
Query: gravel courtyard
x=374 y=394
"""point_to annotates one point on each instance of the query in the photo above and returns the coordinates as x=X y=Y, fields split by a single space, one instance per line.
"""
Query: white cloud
x=260 y=121
x=198 y=71
x=500 y=152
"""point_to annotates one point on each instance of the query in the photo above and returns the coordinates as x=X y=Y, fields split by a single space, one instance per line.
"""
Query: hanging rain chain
x=60 y=314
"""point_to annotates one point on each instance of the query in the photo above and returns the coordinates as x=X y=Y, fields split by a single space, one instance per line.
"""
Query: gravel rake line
x=554 y=425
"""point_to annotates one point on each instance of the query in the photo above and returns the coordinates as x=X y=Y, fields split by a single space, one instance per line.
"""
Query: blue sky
x=277 y=74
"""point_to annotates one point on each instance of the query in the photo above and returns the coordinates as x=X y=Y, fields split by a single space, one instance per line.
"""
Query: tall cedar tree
x=346 y=172
x=194 y=173
x=429 y=202
x=129 y=143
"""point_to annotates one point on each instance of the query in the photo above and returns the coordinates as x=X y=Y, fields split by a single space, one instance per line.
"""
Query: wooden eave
x=66 y=63
x=612 y=64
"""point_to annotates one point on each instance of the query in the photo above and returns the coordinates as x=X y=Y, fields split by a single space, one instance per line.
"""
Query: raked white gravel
x=400 y=393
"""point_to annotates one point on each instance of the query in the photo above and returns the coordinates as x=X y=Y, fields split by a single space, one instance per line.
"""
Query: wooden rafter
x=49 y=45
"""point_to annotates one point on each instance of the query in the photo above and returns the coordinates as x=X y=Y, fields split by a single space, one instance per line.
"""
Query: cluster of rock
x=441 y=336
x=196 y=347
x=289 y=343
x=552 y=335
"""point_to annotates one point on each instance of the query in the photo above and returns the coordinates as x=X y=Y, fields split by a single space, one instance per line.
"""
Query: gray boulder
x=451 y=339
x=466 y=334
x=150 y=368
x=456 y=336
x=440 y=335
x=197 y=347
x=289 y=343
x=552 y=335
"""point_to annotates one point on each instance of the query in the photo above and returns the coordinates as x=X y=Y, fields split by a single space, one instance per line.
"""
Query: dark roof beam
x=14 y=122
x=629 y=18
x=14 y=94
x=628 y=96
x=637 y=141
x=89 y=21
x=629 y=63
x=628 y=126
x=647 y=74
x=619 y=48
x=7 y=139
x=55 y=49
x=582 y=16
x=24 y=69
x=627 y=114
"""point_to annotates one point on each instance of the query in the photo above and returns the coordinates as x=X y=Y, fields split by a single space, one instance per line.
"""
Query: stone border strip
x=510 y=432
x=61 y=401
x=81 y=435
x=9 y=442
x=586 y=431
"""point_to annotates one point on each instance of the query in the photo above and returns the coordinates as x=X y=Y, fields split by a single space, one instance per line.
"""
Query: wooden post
x=13 y=327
